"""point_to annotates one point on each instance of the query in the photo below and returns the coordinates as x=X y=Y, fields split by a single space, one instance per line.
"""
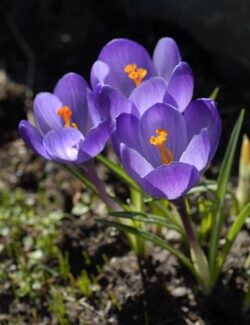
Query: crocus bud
x=243 y=189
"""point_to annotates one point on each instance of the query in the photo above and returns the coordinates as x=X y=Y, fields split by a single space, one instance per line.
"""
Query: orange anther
x=159 y=141
x=135 y=74
x=65 y=113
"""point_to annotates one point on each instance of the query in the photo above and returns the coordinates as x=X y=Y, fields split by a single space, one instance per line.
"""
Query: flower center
x=159 y=141
x=135 y=74
x=65 y=113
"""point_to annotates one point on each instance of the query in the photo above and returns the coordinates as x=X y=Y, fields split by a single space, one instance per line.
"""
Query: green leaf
x=203 y=188
x=152 y=238
x=82 y=178
x=210 y=186
x=172 y=214
x=89 y=184
x=118 y=171
x=223 y=178
x=148 y=218
x=233 y=232
x=214 y=93
x=228 y=158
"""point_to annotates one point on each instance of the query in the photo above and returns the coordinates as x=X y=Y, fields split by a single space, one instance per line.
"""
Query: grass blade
x=149 y=218
x=118 y=171
x=233 y=232
x=154 y=239
x=223 y=178
x=214 y=93
x=83 y=179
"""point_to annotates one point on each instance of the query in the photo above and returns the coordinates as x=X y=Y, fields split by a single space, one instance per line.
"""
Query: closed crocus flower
x=164 y=150
x=64 y=129
x=124 y=65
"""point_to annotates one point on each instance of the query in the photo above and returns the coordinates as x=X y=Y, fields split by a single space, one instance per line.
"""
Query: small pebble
x=179 y=292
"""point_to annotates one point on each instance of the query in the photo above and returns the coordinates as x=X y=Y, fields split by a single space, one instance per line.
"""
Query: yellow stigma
x=159 y=142
x=65 y=113
x=135 y=74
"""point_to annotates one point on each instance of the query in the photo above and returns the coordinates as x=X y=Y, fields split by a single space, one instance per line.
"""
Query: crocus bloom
x=64 y=129
x=110 y=102
x=164 y=150
x=124 y=65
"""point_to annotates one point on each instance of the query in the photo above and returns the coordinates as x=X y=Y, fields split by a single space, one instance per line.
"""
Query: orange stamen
x=65 y=113
x=159 y=141
x=135 y=74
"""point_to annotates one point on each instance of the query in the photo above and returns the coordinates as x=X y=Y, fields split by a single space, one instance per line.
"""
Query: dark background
x=40 y=40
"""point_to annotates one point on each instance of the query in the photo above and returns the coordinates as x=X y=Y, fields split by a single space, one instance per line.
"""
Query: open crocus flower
x=124 y=65
x=64 y=131
x=110 y=103
x=164 y=150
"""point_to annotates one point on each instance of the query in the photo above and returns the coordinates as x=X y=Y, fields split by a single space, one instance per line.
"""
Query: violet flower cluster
x=163 y=139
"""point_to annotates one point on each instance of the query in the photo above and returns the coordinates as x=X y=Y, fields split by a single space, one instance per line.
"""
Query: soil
x=159 y=291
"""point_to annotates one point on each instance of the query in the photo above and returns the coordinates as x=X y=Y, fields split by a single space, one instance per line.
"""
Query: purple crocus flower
x=124 y=65
x=109 y=103
x=65 y=131
x=163 y=149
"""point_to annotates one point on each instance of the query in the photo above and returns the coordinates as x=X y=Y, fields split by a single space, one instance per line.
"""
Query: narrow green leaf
x=212 y=188
x=228 y=158
x=214 y=93
x=172 y=215
x=203 y=188
x=149 y=218
x=152 y=238
x=233 y=232
x=82 y=178
x=118 y=171
x=223 y=178
x=167 y=212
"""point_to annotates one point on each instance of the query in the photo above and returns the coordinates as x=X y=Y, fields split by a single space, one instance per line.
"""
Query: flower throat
x=159 y=141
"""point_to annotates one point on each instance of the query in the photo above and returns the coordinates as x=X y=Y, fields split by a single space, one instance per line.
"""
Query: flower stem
x=137 y=203
x=197 y=254
x=90 y=172
x=186 y=222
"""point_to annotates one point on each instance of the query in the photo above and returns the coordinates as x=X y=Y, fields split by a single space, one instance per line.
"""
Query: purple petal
x=117 y=54
x=135 y=165
x=63 y=144
x=151 y=92
x=171 y=181
x=46 y=106
x=99 y=72
x=110 y=103
x=71 y=89
x=180 y=87
x=198 y=150
x=95 y=141
x=169 y=100
x=162 y=116
x=32 y=138
x=166 y=57
x=126 y=131
x=94 y=117
x=203 y=113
